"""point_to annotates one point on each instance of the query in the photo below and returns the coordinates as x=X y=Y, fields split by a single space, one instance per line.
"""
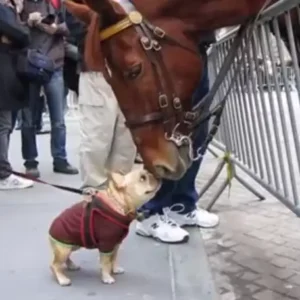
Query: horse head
x=152 y=81
x=147 y=52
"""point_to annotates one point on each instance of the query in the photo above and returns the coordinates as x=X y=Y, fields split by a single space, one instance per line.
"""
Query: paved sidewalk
x=254 y=252
x=153 y=271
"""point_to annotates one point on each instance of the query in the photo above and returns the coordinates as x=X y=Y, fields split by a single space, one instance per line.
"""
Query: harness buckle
x=156 y=45
x=146 y=43
x=188 y=124
x=177 y=103
x=159 y=32
x=163 y=101
x=190 y=116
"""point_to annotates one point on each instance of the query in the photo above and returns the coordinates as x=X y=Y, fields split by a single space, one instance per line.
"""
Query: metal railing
x=260 y=126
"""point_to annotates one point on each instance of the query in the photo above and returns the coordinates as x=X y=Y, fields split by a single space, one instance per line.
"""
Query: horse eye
x=133 y=72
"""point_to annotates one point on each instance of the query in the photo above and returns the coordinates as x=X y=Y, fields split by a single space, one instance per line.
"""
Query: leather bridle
x=151 y=37
x=171 y=112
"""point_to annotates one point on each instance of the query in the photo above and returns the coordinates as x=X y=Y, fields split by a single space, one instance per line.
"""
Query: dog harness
x=93 y=224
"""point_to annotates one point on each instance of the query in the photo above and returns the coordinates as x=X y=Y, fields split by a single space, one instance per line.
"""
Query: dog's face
x=139 y=185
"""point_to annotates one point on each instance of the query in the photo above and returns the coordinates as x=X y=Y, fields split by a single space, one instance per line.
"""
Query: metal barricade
x=260 y=126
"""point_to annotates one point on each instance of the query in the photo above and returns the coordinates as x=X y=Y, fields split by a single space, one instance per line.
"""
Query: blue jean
x=184 y=191
x=55 y=92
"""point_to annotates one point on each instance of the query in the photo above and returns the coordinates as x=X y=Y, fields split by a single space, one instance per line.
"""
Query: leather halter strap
x=133 y=18
x=170 y=111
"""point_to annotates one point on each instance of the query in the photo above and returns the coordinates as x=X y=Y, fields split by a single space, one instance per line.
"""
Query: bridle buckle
x=163 y=101
x=159 y=32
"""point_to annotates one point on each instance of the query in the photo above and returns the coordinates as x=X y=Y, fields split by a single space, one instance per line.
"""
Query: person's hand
x=34 y=18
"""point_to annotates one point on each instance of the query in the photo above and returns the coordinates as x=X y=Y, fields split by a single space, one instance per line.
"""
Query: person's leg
x=54 y=91
x=8 y=181
x=183 y=208
x=123 y=151
x=18 y=120
x=179 y=196
x=28 y=133
x=66 y=92
x=38 y=116
x=157 y=224
x=97 y=123
x=5 y=128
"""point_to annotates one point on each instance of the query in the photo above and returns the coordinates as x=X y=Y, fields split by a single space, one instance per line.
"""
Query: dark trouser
x=38 y=115
x=184 y=191
x=54 y=91
x=5 y=130
x=18 y=119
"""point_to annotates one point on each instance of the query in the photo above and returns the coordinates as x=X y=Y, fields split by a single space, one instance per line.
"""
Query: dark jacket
x=11 y=27
x=51 y=44
x=73 y=45
x=13 y=90
x=77 y=34
x=206 y=39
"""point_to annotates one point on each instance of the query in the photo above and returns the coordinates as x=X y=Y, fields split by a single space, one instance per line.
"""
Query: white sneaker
x=14 y=182
x=163 y=229
x=198 y=217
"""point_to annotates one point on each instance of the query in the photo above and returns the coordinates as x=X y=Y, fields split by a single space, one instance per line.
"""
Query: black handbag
x=35 y=66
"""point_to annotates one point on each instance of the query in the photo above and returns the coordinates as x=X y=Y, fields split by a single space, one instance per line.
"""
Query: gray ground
x=153 y=271
x=254 y=253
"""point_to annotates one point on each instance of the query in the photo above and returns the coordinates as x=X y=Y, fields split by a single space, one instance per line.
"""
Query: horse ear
x=79 y=10
x=109 y=11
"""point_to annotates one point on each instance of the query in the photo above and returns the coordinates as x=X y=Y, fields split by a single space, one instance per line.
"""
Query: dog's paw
x=107 y=279
x=118 y=270
x=63 y=281
x=60 y=278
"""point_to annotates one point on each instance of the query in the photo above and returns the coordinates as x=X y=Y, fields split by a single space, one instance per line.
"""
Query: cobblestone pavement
x=254 y=251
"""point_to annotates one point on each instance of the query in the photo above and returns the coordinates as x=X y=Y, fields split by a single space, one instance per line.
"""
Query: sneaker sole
x=17 y=189
x=200 y=226
x=185 y=239
x=65 y=173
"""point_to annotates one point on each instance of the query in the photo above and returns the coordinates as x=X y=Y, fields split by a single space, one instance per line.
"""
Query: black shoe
x=33 y=172
x=65 y=168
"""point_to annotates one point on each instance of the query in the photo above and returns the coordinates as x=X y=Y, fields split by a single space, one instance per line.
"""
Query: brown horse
x=153 y=66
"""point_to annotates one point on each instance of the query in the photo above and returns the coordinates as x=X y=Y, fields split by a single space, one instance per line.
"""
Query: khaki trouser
x=106 y=144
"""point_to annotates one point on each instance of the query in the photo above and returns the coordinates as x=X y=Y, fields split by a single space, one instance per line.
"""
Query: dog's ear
x=118 y=180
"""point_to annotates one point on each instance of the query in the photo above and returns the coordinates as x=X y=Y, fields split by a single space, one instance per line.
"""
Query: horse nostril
x=163 y=171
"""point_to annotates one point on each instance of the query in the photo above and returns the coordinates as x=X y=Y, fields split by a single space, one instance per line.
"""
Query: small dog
x=100 y=221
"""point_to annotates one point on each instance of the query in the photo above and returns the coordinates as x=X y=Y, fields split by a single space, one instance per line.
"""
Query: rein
x=149 y=37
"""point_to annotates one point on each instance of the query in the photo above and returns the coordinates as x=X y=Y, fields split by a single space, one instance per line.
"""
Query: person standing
x=175 y=204
x=48 y=30
x=12 y=90
x=106 y=144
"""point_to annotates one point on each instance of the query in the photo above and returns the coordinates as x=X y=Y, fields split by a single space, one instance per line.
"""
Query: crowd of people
x=106 y=144
x=41 y=26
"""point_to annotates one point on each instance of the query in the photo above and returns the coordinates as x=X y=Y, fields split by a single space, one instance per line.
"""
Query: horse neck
x=204 y=15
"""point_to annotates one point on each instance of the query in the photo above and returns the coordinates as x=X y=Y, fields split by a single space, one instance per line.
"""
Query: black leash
x=58 y=186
